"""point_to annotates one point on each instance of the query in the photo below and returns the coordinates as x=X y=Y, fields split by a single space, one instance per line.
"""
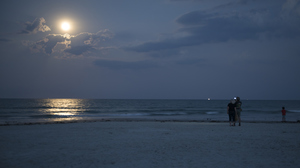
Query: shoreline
x=138 y=120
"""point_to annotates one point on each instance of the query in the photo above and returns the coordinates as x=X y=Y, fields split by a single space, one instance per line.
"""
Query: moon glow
x=65 y=26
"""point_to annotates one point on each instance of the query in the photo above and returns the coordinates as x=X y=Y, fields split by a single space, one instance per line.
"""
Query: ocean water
x=18 y=111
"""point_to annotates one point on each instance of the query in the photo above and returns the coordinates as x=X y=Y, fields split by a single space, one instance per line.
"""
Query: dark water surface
x=48 y=110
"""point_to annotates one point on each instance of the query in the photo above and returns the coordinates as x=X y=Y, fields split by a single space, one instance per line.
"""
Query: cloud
x=74 y=44
x=219 y=28
x=47 y=44
x=33 y=27
x=201 y=27
x=52 y=42
x=85 y=42
x=78 y=50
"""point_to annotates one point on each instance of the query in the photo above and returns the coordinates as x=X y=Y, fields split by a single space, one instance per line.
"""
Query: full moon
x=65 y=26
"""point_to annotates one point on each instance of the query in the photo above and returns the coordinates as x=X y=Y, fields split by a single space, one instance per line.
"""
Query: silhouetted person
x=238 y=105
x=231 y=111
x=283 y=111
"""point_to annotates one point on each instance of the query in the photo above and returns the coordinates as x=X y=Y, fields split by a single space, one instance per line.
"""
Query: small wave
x=212 y=112
x=294 y=111
x=129 y=114
x=167 y=113
x=42 y=116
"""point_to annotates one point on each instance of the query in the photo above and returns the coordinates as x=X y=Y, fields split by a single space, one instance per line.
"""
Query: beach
x=150 y=144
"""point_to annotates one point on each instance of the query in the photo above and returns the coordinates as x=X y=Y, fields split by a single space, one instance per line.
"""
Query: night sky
x=154 y=49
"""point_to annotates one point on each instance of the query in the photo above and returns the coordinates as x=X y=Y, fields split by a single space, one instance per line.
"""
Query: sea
x=30 y=111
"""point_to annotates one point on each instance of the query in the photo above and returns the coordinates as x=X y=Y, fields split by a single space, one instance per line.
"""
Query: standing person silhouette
x=283 y=111
x=231 y=111
x=238 y=105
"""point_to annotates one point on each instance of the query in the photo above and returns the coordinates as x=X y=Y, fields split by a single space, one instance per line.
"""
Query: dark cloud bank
x=203 y=27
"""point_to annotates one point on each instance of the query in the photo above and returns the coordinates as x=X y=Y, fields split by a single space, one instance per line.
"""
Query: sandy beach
x=150 y=144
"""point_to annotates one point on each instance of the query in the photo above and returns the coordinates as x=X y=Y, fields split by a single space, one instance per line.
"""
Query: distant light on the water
x=208 y=98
